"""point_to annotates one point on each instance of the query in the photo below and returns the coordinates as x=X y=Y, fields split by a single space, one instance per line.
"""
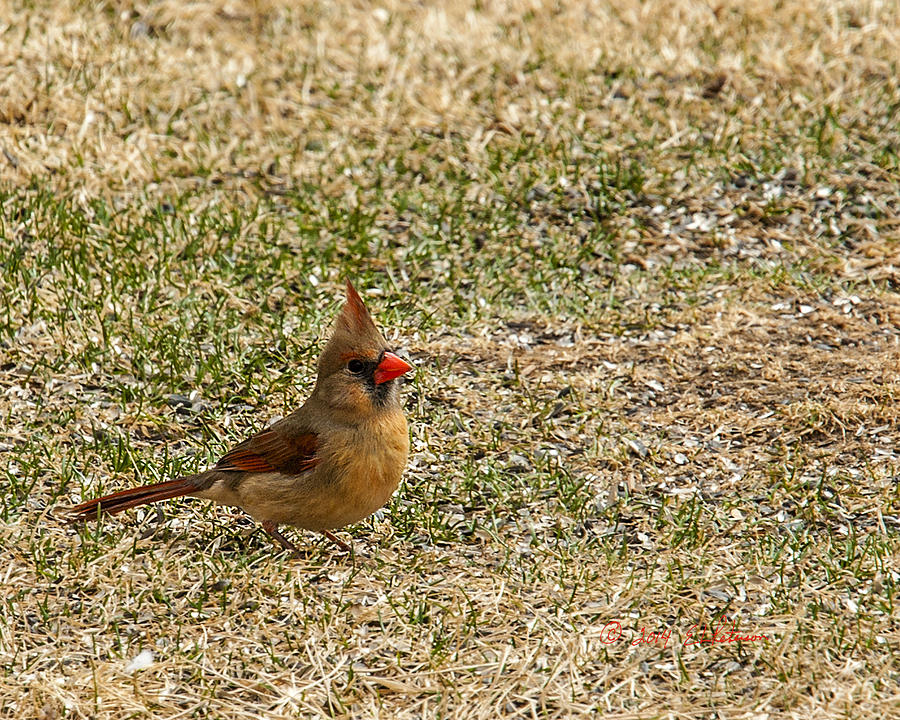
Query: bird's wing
x=273 y=450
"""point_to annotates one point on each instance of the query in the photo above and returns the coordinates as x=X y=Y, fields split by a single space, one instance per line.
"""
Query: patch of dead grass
x=712 y=434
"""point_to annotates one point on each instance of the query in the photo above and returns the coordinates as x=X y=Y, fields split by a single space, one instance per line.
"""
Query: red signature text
x=716 y=633
x=722 y=632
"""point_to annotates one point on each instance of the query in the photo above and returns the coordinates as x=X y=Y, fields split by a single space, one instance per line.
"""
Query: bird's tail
x=132 y=497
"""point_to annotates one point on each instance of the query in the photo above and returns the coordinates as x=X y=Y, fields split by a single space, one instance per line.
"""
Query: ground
x=644 y=256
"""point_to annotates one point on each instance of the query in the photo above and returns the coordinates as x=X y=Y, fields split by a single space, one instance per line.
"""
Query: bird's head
x=357 y=370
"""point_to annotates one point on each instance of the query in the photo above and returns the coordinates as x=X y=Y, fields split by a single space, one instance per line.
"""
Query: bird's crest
x=355 y=318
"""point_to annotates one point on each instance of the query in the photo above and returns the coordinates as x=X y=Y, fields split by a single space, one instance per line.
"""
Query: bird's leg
x=272 y=531
x=337 y=541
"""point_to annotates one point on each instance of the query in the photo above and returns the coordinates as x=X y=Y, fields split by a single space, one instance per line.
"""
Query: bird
x=333 y=462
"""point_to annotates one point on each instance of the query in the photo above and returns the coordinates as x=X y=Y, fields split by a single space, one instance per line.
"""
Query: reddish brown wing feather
x=272 y=451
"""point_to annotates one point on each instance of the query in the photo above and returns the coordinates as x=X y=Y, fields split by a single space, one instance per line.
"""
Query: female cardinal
x=333 y=462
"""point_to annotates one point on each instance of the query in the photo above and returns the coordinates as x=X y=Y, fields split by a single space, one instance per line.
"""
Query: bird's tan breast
x=358 y=470
x=365 y=465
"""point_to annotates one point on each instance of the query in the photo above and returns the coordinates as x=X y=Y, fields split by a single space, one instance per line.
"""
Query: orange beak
x=390 y=367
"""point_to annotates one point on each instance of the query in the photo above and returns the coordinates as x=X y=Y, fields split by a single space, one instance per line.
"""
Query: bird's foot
x=273 y=532
x=337 y=541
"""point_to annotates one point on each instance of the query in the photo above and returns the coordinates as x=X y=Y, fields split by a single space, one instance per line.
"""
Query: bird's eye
x=356 y=366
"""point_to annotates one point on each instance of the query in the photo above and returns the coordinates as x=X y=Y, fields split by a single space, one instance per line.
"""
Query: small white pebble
x=142 y=661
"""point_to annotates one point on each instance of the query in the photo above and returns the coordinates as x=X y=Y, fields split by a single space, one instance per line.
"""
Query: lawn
x=645 y=257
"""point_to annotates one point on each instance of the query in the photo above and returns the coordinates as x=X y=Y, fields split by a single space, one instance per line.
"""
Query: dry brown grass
x=646 y=255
